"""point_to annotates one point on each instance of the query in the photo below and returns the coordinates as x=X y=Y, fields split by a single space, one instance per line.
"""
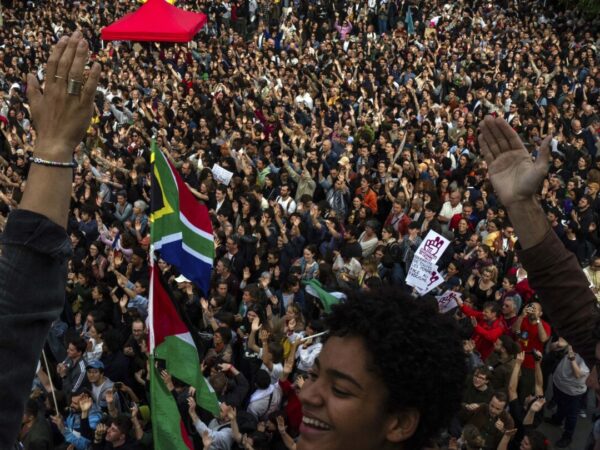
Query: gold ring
x=74 y=86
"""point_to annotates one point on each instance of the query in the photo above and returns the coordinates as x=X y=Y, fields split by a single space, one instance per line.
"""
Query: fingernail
x=63 y=39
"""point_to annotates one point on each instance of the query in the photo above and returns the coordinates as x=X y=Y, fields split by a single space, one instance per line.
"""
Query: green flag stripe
x=166 y=431
x=170 y=224
x=182 y=362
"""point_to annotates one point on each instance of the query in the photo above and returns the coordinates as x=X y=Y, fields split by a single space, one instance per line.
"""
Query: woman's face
x=462 y=226
x=481 y=253
x=356 y=203
x=308 y=255
x=343 y=401
x=290 y=313
x=93 y=333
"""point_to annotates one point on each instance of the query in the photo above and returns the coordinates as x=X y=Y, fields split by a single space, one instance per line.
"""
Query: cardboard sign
x=221 y=175
x=432 y=247
x=423 y=276
x=448 y=301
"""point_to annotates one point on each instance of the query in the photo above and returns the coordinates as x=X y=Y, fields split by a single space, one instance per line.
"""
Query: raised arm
x=514 y=377
x=35 y=243
x=553 y=271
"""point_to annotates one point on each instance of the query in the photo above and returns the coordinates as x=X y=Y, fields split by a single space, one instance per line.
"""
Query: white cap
x=182 y=279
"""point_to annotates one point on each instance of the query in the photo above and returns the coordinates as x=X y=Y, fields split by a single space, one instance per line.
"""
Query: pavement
x=582 y=430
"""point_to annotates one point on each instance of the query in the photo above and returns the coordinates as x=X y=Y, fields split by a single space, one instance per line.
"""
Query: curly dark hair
x=419 y=354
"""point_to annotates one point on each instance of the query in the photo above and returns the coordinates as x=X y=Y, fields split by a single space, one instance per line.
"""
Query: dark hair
x=492 y=306
x=225 y=334
x=511 y=347
x=263 y=379
x=79 y=343
x=501 y=396
x=433 y=207
x=483 y=370
x=218 y=381
x=538 y=440
x=32 y=408
x=112 y=340
x=123 y=423
x=100 y=327
x=397 y=326
x=276 y=350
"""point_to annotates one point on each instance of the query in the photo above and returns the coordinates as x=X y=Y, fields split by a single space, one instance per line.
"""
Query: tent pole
x=102 y=41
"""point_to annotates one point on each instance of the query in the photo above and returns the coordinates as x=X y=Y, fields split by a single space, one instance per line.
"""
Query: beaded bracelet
x=45 y=162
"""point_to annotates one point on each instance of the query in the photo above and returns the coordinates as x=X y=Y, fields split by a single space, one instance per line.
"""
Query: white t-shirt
x=448 y=211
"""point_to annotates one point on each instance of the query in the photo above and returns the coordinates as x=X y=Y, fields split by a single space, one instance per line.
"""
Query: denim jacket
x=33 y=274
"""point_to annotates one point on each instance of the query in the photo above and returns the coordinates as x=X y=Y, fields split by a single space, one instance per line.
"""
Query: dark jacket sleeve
x=564 y=292
x=33 y=274
x=238 y=393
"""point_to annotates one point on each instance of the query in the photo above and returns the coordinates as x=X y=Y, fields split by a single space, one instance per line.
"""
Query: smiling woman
x=388 y=377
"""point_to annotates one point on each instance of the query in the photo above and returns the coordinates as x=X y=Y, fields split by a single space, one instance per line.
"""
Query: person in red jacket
x=368 y=195
x=488 y=326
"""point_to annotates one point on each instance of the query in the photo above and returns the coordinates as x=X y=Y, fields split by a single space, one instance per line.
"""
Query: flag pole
x=308 y=338
x=50 y=379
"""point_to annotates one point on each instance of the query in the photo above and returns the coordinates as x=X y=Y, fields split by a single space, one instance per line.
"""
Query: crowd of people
x=350 y=130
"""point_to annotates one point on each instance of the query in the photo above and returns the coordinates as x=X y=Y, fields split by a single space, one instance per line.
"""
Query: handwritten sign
x=423 y=276
x=221 y=175
x=448 y=301
x=432 y=247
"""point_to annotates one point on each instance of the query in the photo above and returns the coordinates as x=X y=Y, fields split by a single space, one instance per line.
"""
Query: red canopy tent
x=156 y=20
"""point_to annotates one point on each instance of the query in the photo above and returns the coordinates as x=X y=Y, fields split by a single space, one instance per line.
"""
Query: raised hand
x=61 y=118
x=191 y=406
x=520 y=358
x=85 y=403
x=231 y=413
x=166 y=377
x=513 y=174
x=537 y=405
x=225 y=367
x=281 y=424
x=256 y=325
x=207 y=440
x=264 y=335
x=100 y=431
x=499 y=425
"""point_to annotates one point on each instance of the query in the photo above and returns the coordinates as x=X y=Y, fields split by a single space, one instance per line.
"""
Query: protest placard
x=221 y=175
x=432 y=247
x=448 y=301
x=423 y=276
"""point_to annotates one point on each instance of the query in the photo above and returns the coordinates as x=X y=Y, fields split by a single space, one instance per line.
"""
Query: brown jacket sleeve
x=564 y=293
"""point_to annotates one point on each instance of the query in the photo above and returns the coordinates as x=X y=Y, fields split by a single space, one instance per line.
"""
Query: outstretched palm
x=513 y=174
